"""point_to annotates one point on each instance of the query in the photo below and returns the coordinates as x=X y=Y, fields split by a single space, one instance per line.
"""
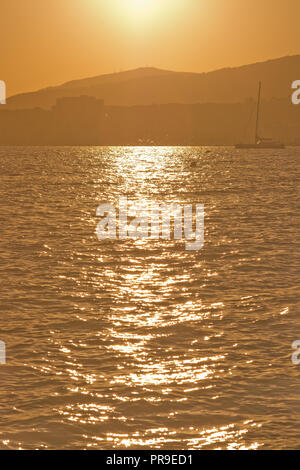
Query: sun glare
x=140 y=7
x=138 y=12
x=141 y=16
x=140 y=3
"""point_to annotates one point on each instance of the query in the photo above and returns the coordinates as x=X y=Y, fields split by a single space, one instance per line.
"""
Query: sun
x=141 y=16
x=141 y=6
x=136 y=14
x=140 y=3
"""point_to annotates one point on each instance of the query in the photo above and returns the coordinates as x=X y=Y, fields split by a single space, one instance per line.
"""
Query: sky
x=48 y=42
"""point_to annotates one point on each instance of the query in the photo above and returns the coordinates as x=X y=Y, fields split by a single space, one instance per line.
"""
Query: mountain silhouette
x=146 y=86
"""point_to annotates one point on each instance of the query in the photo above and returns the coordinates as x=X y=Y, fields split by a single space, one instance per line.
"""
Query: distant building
x=78 y=120
x=72 y=121
x=85 y=121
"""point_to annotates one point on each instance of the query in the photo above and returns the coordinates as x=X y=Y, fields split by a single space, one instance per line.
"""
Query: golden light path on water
x=141 y=343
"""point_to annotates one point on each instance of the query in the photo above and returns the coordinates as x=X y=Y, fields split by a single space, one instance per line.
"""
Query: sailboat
x=260 y=142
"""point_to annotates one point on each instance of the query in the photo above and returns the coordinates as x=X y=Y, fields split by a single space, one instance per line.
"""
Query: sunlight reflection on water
x=141 y=344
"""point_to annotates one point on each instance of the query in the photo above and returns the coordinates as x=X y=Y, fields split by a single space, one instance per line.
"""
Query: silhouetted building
x=72 y=121
x=78 y=121
x=85 y=120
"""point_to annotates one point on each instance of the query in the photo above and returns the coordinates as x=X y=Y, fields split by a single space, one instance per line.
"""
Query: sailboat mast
x=257 y=114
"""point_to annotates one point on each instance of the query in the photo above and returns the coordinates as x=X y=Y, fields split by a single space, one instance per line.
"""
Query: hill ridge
x=152 y=85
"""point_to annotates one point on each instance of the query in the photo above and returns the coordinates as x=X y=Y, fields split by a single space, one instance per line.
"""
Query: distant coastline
x=149 y=107
x=86 y=121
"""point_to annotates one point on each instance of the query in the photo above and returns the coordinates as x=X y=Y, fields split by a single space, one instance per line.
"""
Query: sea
x=141 y=343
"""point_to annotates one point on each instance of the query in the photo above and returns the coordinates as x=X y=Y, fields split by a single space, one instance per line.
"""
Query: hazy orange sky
x=48 y=42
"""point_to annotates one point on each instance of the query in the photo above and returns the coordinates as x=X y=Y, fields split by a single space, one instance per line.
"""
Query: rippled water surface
x=142 y=344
